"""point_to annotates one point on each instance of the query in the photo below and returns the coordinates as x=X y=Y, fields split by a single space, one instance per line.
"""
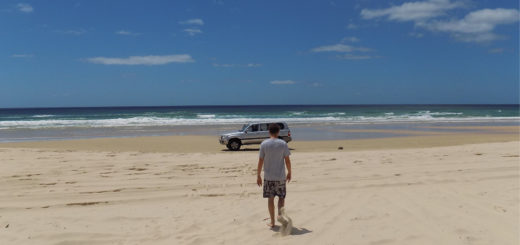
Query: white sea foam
x=42 y=116
x=207 y=119
x=336 y=114
x=297 y=113
x=444 y=113
x=206 y=116
x=144 y=121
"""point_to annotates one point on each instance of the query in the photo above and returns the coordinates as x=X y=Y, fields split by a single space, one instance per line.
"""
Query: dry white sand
x=465 y=194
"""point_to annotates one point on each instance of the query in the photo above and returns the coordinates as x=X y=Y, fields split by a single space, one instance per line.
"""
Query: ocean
x=57 y=123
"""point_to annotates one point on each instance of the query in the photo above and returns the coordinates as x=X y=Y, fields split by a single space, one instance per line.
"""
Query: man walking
x=273 y=153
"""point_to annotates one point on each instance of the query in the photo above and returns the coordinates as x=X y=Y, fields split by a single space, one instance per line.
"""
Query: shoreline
x=311 y=131
x=203 y=143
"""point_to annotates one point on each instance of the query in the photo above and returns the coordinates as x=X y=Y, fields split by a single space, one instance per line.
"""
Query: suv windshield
x=244 y=127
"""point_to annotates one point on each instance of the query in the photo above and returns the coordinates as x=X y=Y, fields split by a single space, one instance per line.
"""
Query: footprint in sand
x=500 y=209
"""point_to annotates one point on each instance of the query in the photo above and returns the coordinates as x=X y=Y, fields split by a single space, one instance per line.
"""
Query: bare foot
x=271 y=225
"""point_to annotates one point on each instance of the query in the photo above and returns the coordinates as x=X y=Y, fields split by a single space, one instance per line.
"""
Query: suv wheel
x=234 y=145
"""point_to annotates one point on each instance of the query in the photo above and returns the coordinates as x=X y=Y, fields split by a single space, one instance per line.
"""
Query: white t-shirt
x=273 y=151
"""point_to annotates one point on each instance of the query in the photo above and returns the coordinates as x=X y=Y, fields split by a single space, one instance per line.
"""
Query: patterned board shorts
x=274 y=188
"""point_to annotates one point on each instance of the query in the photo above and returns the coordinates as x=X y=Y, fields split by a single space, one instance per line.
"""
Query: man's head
x=274 y=129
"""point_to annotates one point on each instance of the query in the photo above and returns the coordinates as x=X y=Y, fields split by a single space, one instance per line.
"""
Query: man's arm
x=288 y=165
x=259 y=171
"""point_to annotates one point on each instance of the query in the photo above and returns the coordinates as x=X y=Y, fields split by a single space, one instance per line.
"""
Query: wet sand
x=204 y=143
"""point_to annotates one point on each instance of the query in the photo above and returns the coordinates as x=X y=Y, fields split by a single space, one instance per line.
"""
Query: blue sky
x=117 y=53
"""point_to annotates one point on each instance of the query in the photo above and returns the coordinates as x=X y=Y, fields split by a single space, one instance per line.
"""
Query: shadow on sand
x=248 y=149
x=245 y=149
x=294 y=232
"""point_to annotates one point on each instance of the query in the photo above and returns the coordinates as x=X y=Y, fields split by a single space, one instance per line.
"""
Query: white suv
x=253 y=133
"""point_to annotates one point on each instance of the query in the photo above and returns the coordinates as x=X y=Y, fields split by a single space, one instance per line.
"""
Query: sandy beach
x=427 y=189
x=141 y=122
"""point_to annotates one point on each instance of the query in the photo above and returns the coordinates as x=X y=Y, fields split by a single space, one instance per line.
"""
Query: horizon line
x=257 y=105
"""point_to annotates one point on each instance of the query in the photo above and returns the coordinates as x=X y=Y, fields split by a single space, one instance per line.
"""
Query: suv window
x=254 y=127
x=281 y=125
x=263 y=127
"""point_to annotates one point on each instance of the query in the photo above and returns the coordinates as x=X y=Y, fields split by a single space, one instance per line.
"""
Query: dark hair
x=274 y=128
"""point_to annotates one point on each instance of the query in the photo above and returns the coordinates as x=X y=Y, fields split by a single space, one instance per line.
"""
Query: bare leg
x=270 y=205
x=281 y=203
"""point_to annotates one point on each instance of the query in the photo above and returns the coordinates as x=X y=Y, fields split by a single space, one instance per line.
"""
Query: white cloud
x=25 y=7
x=143 y=60
x=350 y=39
x=237 y=65
x=22 y=56
x=316 y=84
x=412 y=11
x=73 y=32
x=352 y=26
x=476 y=26
x=496 y=51
x=477 y=37
x=192 y=22
x=349 y=52
x=127 y=33
x=282 y=82
x=483 y=20
x=356 y=57
x=416 y=34
x=340 y=48
x=192 y=31
x=223 y=65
